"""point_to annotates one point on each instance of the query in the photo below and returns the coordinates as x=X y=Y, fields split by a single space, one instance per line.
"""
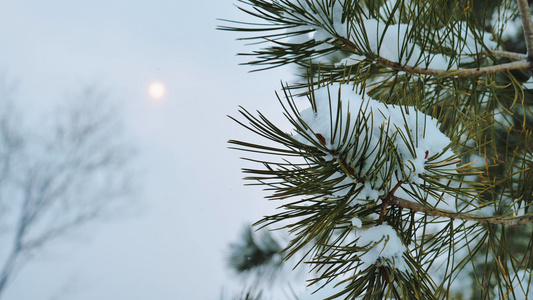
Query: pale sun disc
x=156 y=90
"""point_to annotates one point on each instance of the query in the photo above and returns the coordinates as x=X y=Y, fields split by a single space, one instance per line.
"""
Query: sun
x=156 y=90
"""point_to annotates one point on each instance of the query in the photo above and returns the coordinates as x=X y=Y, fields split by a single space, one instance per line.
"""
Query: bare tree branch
x=65 y=179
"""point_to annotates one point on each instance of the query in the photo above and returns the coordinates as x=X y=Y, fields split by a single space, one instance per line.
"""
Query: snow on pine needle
x=392 y=40
x=384 y=247
x=355 y=131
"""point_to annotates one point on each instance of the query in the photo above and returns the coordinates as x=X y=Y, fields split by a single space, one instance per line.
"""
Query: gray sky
x=194 y=202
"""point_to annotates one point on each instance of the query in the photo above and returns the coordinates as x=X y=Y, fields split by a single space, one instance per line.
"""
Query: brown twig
x=381 y=218
x=522 y=64
x=501 y=220
x=386 y=203
x=527 y=26
x=507 y=54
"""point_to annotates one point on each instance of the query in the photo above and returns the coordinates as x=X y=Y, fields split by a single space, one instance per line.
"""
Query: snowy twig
x=527 y=26
x=500 y=220
x=522 y=64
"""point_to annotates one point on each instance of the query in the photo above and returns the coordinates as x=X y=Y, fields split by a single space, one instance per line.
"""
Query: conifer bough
x=411 y=148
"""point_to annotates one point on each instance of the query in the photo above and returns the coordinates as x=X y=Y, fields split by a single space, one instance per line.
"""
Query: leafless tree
x=58 y=175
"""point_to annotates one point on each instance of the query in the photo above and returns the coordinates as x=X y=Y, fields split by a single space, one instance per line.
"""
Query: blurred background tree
x=463 y=218
x=59 y=174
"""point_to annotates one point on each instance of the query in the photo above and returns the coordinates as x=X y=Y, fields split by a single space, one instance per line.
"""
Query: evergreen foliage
x=374 y=199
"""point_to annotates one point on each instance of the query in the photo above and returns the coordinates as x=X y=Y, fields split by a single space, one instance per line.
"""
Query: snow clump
x=385 y=247
x=415 y=136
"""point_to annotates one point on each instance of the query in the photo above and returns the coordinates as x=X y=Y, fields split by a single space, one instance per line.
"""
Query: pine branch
x=334 y=176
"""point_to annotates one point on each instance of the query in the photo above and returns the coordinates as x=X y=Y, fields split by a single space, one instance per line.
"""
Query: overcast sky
x=193 y=203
